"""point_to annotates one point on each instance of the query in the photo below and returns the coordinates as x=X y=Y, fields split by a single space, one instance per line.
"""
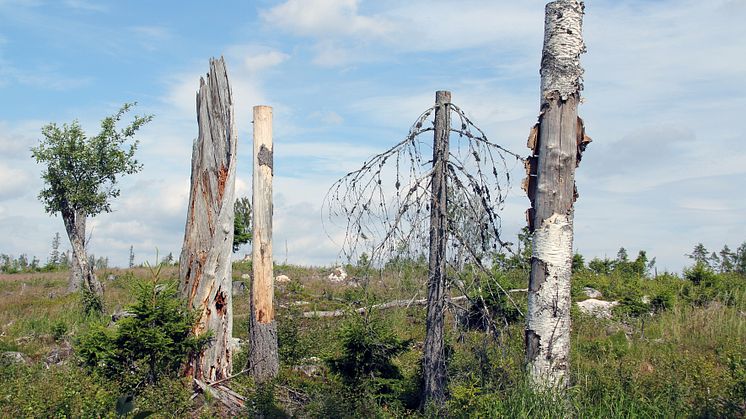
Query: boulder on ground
x=592 y=293
x=11 y=357
x=239 y=287
x=120 y=314
x=282 y=279
x=597 y=308
x=59 y=354
x=338 y=274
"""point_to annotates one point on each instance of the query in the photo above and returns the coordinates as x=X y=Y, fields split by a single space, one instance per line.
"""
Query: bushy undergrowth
x=152 y=342
x=674 y=348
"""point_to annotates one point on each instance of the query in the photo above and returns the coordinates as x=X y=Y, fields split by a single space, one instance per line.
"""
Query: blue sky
x=664 y=93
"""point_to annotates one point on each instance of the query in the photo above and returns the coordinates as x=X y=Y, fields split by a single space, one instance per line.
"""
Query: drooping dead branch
x=448 y=207
x=383 y=207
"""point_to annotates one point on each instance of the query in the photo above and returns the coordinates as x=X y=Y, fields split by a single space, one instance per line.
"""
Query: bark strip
x=205 y=265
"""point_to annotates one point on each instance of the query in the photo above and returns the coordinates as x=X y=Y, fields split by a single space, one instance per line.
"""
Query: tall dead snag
x=556 y=141
x=402 y=205
x=263 y=357
x=205 y=263
x=434 y=359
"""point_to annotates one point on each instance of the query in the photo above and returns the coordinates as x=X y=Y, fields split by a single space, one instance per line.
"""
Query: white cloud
x=325 y=18
x=13 y=182
x=264 y=60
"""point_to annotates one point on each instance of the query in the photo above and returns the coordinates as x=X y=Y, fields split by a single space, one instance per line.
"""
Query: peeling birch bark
x=561 y=73
x=263 y=355
x=205 y=281
x=556 y=146
x=548 y=317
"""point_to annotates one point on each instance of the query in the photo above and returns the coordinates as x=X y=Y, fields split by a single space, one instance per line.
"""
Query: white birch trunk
x=552 y=195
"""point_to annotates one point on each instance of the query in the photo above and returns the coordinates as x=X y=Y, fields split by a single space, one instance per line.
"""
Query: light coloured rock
x=121 y=314
x=58 y=355
x=239 y=287
x=246 y=277
x=11 y=357
x=282 y=279
x=592 y=293
x=597 y=308
x=646 y=299
x=236 y=343
x=338 y=274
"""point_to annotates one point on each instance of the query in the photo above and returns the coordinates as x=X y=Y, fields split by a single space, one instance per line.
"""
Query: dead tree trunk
x=205 y=263
x=434 y=361
x=556 y=142
x=263 y=357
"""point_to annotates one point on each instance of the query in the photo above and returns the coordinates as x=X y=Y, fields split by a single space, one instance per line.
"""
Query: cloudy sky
x=664 y=93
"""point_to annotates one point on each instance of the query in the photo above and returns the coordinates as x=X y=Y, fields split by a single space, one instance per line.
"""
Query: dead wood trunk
x=551 y=187
x=263 y=356
x=205 y=265
x=434 y=360
x=382 y=306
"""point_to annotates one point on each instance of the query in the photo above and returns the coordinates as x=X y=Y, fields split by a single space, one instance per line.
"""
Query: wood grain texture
x=434 y=358
x=205 y=263
x=263 y=356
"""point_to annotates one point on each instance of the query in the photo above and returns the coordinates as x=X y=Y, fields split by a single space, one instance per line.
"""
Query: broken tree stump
x=551 y=189
x=205 y=264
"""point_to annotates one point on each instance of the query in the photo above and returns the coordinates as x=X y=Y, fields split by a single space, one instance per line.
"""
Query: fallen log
x=232 y=400
x=390 y=304
x=383 y=306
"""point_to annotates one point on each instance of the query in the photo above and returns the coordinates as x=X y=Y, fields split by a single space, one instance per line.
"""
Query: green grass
x=686 y=360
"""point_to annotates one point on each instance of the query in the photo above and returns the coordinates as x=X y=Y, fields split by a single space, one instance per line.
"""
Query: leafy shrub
x=151 y=344
x=291 y=346
x=631 y=307
x=66 y=391
x=59 y=330
x=366 y=363
x=91 y=302
x=263 y=405
x=700 y=274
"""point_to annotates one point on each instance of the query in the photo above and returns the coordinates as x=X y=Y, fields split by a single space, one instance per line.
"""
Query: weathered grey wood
x=382 y=306
x=263 y=356
x=205 y=263
x=552 y=193
x=433 y=359
x=230 y=399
